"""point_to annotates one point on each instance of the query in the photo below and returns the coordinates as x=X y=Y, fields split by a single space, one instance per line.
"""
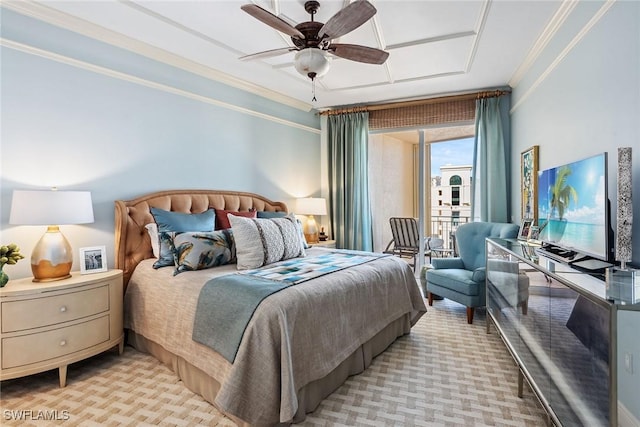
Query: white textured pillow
x=152 y=229
x=261 y=241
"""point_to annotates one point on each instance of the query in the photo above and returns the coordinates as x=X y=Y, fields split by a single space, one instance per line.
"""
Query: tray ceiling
x=435 y=47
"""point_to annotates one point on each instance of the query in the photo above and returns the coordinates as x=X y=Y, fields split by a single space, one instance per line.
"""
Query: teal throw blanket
x=225 y=305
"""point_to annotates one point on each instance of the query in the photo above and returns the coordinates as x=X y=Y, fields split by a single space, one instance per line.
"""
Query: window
x=455 y=196
x=455 y=180
x=455 y=217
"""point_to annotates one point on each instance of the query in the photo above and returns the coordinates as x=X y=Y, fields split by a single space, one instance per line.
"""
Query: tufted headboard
x=132 y=243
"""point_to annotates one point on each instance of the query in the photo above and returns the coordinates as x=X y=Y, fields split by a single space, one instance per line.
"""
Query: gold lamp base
x=51 y=258
x=311 y=234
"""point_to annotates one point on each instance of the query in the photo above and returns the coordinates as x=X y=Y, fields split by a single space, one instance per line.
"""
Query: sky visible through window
x=456 y=152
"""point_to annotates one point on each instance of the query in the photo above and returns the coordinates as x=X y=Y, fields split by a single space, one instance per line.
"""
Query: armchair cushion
x=456 y=279
x=445 y=263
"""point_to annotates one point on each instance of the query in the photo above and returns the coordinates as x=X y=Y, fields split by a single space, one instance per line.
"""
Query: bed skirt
x=309 y=397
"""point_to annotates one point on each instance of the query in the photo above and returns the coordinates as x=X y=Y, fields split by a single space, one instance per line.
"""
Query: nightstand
x=50 y=325
x=329 y=244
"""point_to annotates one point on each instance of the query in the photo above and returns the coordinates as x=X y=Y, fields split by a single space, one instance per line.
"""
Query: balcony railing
x=445 y=227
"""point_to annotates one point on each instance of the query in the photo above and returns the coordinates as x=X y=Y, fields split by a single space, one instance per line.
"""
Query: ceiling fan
x=312 y=39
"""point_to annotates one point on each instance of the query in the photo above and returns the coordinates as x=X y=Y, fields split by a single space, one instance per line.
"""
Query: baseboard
x=626 y=418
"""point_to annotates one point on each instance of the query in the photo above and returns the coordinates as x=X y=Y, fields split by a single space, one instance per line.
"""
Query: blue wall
x=582 y=97
x=83 y=126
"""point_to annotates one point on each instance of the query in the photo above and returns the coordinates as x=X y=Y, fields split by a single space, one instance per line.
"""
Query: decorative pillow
x=152 y=229
x=178 y=221
x=263 y=241
x=165 y=249
x=280 y=214
x=169 y=223
x=222 y=223
x=198 y=250
x=271 y=214
x=301 y=232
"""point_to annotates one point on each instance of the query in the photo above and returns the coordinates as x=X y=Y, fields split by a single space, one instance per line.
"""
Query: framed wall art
x=529 y=183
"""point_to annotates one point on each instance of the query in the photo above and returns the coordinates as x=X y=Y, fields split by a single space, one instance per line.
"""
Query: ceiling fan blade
x=267 y=53
x=271 y=20
x=347 y=20
x=354 y=52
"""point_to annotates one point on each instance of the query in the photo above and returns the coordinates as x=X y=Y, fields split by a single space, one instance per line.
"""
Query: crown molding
x=541 y=43
x=31 y=50
x=60 y=19
x=479 y=29
x=577 y=39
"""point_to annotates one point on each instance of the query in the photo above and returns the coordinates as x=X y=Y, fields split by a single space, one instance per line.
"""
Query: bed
x=300 y=344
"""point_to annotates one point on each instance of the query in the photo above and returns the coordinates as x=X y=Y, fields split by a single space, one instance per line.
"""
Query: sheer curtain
x=491 y=201
x=348 y=136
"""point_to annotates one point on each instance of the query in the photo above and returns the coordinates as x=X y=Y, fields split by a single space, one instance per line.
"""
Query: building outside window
x=451 y=202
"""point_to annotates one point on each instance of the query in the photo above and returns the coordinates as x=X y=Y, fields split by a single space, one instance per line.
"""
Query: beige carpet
x=445 y=373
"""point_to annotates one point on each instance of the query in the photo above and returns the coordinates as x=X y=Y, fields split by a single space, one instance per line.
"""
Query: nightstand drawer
x=37 y=312
x=32 y=348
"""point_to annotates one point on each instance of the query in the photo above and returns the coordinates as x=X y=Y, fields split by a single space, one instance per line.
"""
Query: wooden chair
x=406 y=239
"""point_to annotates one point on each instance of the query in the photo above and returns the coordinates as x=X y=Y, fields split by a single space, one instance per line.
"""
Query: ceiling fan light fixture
x=312 y=62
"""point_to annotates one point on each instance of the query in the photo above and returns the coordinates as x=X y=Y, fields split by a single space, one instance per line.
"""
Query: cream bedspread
x=296 y=336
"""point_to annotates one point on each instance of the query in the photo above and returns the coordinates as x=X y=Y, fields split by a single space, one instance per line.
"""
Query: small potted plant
x=9 y=254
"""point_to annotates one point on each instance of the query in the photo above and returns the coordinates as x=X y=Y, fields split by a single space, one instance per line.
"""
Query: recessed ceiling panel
x=429 y=59
x=220 y=22
x=407 y=21
x=345 y=74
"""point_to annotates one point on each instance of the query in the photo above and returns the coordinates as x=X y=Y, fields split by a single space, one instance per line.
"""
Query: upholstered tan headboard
x=132 y=240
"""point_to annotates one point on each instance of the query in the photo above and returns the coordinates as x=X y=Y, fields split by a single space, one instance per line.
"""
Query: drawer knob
x=63 y=343
x=63 y=309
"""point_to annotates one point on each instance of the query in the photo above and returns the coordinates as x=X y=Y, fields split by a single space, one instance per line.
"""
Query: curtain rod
x=376 y=107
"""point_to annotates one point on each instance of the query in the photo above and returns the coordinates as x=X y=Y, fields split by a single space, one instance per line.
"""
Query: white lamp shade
x=311 y=60
x=51 y=207
x=311 y=206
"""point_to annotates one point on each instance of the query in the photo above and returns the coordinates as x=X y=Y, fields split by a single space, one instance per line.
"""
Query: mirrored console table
x=570 y=342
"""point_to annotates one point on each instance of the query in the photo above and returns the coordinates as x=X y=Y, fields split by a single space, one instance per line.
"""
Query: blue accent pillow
x=169 y=223
x=200 y=250
x=271 y=214
x=181 y=222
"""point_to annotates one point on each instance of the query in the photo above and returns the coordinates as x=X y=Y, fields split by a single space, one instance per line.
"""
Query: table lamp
x=51 y=258
x=311 y=206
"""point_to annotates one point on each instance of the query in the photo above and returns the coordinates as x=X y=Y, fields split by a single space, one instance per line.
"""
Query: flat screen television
x=573 y=208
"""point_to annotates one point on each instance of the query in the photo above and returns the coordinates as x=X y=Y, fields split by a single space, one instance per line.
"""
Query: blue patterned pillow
x=169 y=223
x=165 y=251
x=199 y=250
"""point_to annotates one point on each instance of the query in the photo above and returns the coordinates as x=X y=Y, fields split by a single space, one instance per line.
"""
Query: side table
x=49 y=325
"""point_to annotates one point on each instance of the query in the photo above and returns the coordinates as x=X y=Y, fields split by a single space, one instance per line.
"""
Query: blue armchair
x=462 y=279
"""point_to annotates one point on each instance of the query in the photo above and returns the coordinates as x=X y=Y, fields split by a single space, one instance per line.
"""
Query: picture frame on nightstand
x=93 y=259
